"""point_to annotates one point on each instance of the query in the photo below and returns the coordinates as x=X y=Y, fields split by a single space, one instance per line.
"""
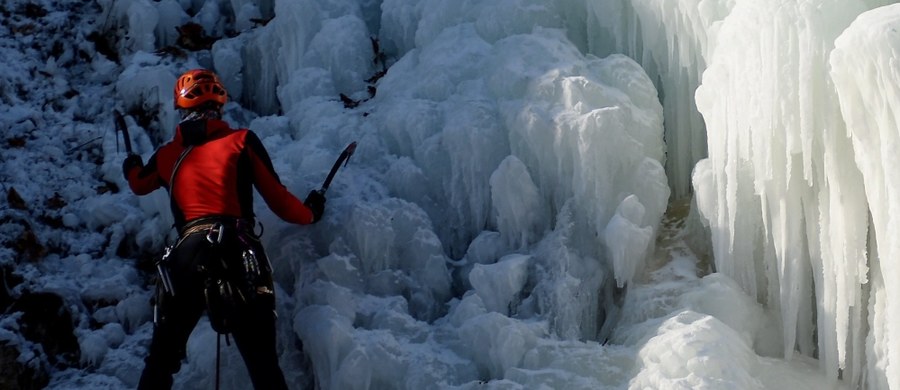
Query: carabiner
x=219 y=229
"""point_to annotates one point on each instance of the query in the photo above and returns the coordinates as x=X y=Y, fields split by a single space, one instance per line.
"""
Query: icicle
x=783 y=170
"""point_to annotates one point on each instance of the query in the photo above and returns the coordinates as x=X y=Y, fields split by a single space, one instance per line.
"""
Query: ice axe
x=122 y=127
x=342 y=159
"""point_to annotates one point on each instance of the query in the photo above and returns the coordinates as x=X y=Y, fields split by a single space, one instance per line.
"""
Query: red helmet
x=198 y=86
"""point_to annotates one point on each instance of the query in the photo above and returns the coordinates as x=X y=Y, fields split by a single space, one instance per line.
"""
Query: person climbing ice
x=217 y=264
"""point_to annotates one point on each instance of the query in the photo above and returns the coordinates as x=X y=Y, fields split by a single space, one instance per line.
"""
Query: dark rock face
x=45 y=322
x=20 y=375
x=8 y=280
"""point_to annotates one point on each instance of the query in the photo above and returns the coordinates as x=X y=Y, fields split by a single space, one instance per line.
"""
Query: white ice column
x=782 y=195
x=865 y=72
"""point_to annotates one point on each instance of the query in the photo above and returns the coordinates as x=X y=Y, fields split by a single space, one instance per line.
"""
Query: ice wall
x=523 y=135
x=670 y=39
x=497 y=165
x=864 y=70
x=793 y=173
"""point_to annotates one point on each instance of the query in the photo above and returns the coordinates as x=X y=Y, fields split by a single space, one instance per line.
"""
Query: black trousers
x=253 y=331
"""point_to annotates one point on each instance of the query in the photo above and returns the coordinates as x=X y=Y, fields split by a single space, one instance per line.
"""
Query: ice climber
x=217 y=264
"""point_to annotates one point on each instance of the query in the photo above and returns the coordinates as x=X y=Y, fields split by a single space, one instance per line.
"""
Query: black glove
x=131 y=162
x=315 y=202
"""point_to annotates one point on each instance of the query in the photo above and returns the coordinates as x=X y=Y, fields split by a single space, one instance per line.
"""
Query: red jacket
x=216 y=176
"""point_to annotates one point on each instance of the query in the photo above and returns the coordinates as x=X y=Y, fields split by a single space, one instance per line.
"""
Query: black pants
x=254 y=331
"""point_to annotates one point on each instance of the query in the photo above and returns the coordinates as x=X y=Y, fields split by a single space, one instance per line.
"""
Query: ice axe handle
x=344 y=158
x=122 y=127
